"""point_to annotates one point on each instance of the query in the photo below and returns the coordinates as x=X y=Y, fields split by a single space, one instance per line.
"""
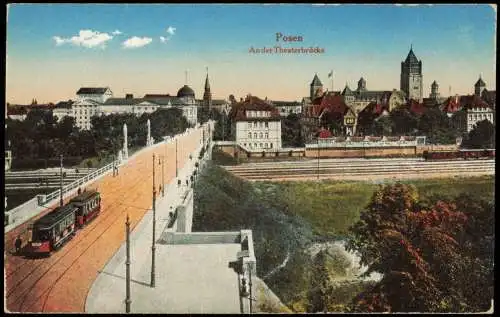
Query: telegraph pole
x=176 y=168
x=127 y=265
x=162 y=176
x=61 y=202
x=154 y=229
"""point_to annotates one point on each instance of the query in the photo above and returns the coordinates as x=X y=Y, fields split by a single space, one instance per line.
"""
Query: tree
x=382 y=126
x=291 y=131
x=423 y=252
x=436 y=125
x=318 y=295
x=482 y=136
x=404 y=121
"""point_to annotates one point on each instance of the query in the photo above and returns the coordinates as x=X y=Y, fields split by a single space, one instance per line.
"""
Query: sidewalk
x=193 y=278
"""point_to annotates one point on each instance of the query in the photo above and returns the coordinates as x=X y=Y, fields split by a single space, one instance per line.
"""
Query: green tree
x=436 y=125
x=382 y=126
x=482 y=136
x=291 y=131
x=404 y=121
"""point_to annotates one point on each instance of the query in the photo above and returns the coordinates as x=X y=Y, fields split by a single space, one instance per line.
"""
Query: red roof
x=473 y=102
x=416 y=107
x=331 y=103
x=324 y=133
x=251 y=103
x=451 y=105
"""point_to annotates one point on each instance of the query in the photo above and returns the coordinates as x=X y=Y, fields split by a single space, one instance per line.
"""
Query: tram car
x=464 y=154
x=89 y=207
x=53 y=230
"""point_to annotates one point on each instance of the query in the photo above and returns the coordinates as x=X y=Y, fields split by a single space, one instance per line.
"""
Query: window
x=255 y=145
x=265 y=145
x=244 y=144
x=249 y=135
x=255 y=124
x=267 y=135
x=270 y=145
x=261 y=124
x=255 y=135
x=260 y=145
x=249 y=124
x=260 y=135
x=267 y=124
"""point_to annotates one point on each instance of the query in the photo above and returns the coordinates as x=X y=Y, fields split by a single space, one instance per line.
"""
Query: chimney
x=129 y=96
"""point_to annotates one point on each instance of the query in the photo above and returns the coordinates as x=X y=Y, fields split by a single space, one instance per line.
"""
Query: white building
x=100 y=101
x=256 y=125
x=286 y=108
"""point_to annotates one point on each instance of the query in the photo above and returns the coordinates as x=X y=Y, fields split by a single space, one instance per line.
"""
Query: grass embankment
x=286 y=217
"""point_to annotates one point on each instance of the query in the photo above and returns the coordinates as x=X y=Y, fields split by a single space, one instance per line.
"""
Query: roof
x=374 y=108
x=489 y=96
x=316 y=81
x=347 y=91
x=331 y=103
x=253 y=103
x=371 y=94
x=122 y=101
x=156 y=96
x=219 y=102
x=286 y=103
x=416 y=107
x=185 y=91
x=16 y=110
x=324 y=133
x=473 y=101
x=64 y=104
x=434 y=84
x=91 y=91
x=85 y=196
x=411 y=58
x=207 y=84
x=54 y=216
x=451 y=104
x=480 y=83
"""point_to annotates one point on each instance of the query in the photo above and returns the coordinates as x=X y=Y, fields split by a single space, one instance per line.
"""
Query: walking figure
x=79 y=190
x=18 y=243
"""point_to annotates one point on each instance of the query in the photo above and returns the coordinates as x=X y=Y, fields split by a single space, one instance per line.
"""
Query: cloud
x=116 y=32
x=171 y=30
x=164 y=39
x=135 y=42
x=85 y=38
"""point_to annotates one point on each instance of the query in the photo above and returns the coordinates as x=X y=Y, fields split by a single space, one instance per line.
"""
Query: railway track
x=358 y=169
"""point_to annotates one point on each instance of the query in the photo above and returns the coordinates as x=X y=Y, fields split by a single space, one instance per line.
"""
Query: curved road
x=61 y=282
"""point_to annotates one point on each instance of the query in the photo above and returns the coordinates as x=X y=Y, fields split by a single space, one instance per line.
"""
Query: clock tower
x=411 y=77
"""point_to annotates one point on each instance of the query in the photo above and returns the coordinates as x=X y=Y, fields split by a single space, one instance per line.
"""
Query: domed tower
x=479 y=86
x=207 y=95
x=361 y=84
x=411 y=77
x=434 y=90
x=315 y=87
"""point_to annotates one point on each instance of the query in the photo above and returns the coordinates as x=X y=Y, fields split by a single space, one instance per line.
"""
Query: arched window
x=255 y=145
x=267 y=135
x=249 y=135
x=270 y=145
x=255 y=135
x=255 y=124
x=260 y=135
x=267 y=124
x=260 y=145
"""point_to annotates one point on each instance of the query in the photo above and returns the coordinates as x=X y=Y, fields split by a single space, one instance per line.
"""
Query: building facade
x=256 y=125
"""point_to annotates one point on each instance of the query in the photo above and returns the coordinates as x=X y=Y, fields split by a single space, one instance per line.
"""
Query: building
x=286 y=108
x=20 y=112
x=435 y=98
x=222 y=105
x=256 y=125
x=411 y=77
x=361 y=97
x=98 y=94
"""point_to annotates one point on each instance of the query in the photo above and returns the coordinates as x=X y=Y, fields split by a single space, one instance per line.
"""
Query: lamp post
x=176 y=167
x=154 y=229
x=162 y=176
x=127 y=266
x=61 y=202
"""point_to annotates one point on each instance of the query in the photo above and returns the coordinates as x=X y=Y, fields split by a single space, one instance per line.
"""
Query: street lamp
x=154 y=229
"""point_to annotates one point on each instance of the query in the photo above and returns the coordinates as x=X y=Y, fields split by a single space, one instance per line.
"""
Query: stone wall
x=361 y=152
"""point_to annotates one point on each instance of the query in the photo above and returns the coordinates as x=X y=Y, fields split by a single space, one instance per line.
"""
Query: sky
x=54 y=49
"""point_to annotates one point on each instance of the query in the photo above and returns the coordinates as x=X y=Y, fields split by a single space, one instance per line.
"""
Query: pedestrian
x=18 y=244
x=79 y=190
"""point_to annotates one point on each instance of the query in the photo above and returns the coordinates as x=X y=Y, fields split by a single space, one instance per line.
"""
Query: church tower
x=479 y=87
x=434 y=91
x=316 y=88
x=411 y=77
x=207 y=96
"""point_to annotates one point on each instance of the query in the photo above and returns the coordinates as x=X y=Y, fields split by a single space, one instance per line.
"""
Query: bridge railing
x=77 y=183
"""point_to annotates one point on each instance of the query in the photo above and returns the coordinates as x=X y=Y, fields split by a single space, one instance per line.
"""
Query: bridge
x=74 y=278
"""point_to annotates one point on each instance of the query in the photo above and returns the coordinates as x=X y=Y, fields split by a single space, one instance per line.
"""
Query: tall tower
x=411 y=77
x=434 y=90
x=479 y=86
x=207 y=96
x=315 y=87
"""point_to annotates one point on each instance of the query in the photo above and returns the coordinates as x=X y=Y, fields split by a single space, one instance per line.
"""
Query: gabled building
x=475 y=109
x=358 y=99
x=98 y=94
x=288 y=107
x=256 y=125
